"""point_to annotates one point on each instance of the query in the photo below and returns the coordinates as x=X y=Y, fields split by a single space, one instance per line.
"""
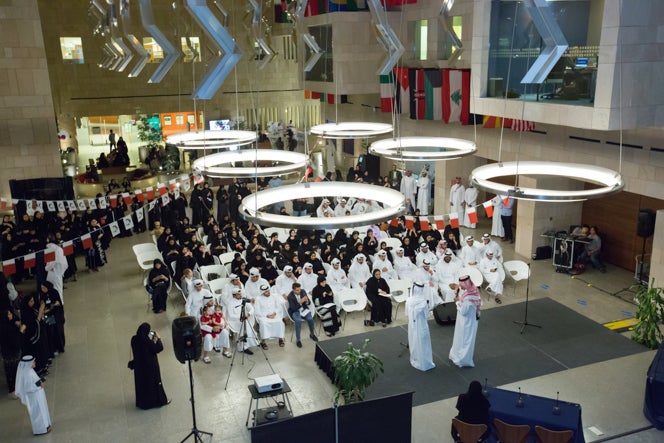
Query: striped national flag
x=387 y=92
x=522 y=125
x=433 y=82
x=417 y=94
x=402 y=93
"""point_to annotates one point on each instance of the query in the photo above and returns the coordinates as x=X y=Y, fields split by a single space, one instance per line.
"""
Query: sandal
x=227 y=354
x=499 y=301
x=264 y=346
x=329 y=334
x=207 y=360
x=282 y=343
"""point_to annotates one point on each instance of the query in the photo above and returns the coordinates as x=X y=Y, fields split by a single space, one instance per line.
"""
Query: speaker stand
x=195 y=432
x=525 y=323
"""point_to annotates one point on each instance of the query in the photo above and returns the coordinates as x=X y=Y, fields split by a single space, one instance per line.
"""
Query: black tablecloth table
x=535 y=411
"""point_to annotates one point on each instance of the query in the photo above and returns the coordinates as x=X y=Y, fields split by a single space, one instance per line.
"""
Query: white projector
x=268 y=383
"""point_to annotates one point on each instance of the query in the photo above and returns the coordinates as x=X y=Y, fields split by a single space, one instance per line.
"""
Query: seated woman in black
x=158 y=283
x=473 y=408
x=381 y=304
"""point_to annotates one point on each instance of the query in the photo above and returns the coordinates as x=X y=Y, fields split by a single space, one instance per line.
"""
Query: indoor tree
x=650 y=313
x=355 y=370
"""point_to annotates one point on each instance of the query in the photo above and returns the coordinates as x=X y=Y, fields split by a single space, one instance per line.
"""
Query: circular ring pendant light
x=211 y=139
x=422 y=148
x=351 y=129
x=610 y=181
x=252 y=205
x=221 y=163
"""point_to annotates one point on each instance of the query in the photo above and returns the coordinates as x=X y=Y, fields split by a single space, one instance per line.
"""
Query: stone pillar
x=657 y=256
x=28 y=134
x=536 y=218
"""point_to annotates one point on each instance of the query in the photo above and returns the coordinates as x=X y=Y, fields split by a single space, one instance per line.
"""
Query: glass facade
x=72 y=50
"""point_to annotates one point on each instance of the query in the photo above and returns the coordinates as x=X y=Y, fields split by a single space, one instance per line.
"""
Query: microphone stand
x=525 y=323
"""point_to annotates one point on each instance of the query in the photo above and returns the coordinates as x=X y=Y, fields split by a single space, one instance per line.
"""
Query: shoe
x=227 y=354
x=56 y=353
x=299 y=344
x=207 y=360
x=216 y=349
x=329 y=334
x=384 y=325
x=499 y=301
x=264 y=346
x=168 y=402
x=249 y=352
x=282 y=343
x=13 y=395
x=313 y=337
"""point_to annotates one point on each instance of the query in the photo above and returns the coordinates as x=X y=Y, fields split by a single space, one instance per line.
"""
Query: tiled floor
x=91 y=392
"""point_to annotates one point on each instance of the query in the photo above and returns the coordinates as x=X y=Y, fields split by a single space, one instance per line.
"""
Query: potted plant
x=650 y=313
x=354 y=371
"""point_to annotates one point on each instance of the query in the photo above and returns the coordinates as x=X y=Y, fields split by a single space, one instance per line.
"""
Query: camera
x=151 y=335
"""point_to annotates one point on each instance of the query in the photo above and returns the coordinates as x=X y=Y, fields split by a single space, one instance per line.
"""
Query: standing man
x=408 y=188
x=506 y=217
x=395 y=177
x=470 y=199
x=423 y=193
x=419 y=340
x=111 y=140
x=457 y=198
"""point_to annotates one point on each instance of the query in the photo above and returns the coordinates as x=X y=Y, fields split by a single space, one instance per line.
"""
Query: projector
x=268 y=383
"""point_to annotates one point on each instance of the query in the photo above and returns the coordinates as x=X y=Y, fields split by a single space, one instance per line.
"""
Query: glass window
x=191 y=46
x=446 y=46
x=323 y=70
x=418 y=31
x=167 y=120
x=155 y=51
x=179 y=120
x=72 y=50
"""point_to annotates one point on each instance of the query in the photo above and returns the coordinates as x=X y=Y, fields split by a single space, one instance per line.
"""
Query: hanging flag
x=186 y=184
x=506 y=201
x=161 y=188
x=394 y=222
x=172 y=184
x=9 y=267
x=128 y=223
x=61 y=205
x=387 y=92
x=3 y=203
x=68 y=247
x=92 y=203
x=489 y=121
x=488 y=208
x=40 y=205
x=113 y=200
x=402 y=91
x=433 y=98
x=115 y=229
x=81 y=205
x=87 y=241
x=417 y=100
x=456 y=95
x=150 y=192
x=151 y=205
x=72 y=205
x=29 y=260
x=139 y=215
x=454 y=220
x=424 y=224
x=50 y=206
x=102 y=202
x=440 y=222
x=472 y=214
x=165 y=200
x=139 y=195
x=176 y=193
x=127 y=198
x=14 y=202
x=522 y=125
x=49 y=256
x=410 y=222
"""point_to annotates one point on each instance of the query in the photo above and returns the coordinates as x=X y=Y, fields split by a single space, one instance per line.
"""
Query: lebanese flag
x=387 y=92
x=150 y=192
x=68 y=247
x=139 y=195
x=3 y=203
x=410 y=222
x=440 y=222
x=127 y=198
x=402 y=90
x=161 y=188
x=417 y=94
x=394 y=222
x=424 y=224
x=87 y=241
x=472 y=215
x=9 y=267
x=49 y=256
x=454 y=220
x=29 y=260
x=456 y=95
x=488 y=207
x=113 y=200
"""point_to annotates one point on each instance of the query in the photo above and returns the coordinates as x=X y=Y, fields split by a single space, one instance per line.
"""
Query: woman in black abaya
x=159 y=281
x=381 y=304
x=145 y=346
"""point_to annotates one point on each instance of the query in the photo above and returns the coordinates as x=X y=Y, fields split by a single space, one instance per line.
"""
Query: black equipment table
x=279 y=412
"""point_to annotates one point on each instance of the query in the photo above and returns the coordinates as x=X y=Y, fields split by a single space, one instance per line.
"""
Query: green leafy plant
x=149 y=134
x=649 y=314
x=354 y=371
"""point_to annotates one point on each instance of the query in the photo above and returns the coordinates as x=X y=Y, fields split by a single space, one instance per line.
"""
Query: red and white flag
x=68 y=247
x=139 y=195
x=9 y=267
x=522 y=125
x=127 y=198
x=506 y=200
x=394 y=222
x=14 y=203
x=161 y=188
x=410 y=222
x=172 y=184
x=424 y=224
x=454 y=220
x=87 y=241
x=440 y=222
x=472 y=214
x=49 y=256
x=113 y=200
x=150 y=192
x=29 y=260
x=3 y=203
x=488 y=208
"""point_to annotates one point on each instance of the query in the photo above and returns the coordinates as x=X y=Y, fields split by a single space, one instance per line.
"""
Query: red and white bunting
x=472 y=214
x=440 y=222
x=488 y=208
x=454 y=220
x=9 y=267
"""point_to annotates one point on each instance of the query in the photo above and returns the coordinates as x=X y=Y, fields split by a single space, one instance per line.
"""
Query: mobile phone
x=151 y=335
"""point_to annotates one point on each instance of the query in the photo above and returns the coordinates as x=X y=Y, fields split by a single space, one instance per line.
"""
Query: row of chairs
x=508 y=433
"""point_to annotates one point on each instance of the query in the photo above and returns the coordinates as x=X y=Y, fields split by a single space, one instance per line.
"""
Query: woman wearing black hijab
x=381 y=304
x=159 y=281
x=473 y=408
x=145 y=346
x=324 y=302
x=34 y=335
x=54 y=318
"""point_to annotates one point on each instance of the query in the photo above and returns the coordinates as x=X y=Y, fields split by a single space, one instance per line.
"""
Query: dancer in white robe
x=29 y=389
x=491 y=268
x=56 y=268
x=465 y=329
x=427 y=276
x=408 y=186
x=384 y=265
x=419 y=340
x=470 y=199
x=359 y=272
x=423 y=193
x=269 y=314
x=248 y=337
x=404 y=268
x=497 y=228
x=447 y=272
x=457 y=198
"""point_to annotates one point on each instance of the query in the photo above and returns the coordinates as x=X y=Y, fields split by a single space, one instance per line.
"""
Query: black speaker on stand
x=187 y=345
x=645 y=229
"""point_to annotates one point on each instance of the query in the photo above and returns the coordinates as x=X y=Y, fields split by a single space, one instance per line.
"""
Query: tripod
x=242 y=338
x=525 y=323
x=194 y=430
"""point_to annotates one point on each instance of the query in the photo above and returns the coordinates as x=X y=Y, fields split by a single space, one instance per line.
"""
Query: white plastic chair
x=400 y=290
x=146 y=259
x=218 y=270
x=142 y=248
x=517 y=270
x=392 y=242
x=351 y=300
x=218 y=284
x=474 y=274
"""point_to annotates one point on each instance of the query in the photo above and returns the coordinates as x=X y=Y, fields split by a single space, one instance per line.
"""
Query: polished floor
x=90 y=391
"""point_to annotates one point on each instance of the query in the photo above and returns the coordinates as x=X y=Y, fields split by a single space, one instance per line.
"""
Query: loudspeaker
x=187 y=340
x=646 y=226
x=445 y=313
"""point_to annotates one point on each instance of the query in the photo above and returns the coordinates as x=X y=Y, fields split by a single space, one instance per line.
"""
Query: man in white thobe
x=308 y=280
x=29 y=389
x=341 y=208
x=283 y=286
x=360 y=207
x=359 y=272
x=419 y=340
x=196 y=299
x=324 y=209
x=227 y=291
x=447 y=271
x=252 y=289
x=490 y=268
x=247 y=334
x=470 y=254
x=457 y=198
x=487 y=244
x=56 y=268
x=470 y=199
x=384 y=265
x=425 y=254
x=496 y=220
x=427 y=276
x=408 y=187
x=423 y=193
x=403 y=266
x=269 y=314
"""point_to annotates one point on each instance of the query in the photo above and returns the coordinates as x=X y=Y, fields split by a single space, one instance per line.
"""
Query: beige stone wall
x=28 y=141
